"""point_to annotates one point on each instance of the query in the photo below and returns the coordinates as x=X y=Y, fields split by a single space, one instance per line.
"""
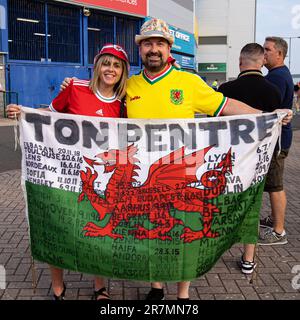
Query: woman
x=100 y=97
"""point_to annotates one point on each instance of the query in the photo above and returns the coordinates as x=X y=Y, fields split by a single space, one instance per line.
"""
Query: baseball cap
x=114 y=50
x=154 y=28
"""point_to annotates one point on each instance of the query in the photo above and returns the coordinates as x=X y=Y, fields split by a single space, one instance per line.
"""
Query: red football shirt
x=77 y=98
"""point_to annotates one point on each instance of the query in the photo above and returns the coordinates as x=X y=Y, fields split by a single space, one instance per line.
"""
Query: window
x=213 y=40
x=105 y=28
x=26 y=30
x=127 y=28
x=100 y=32
x=29 y=36
x=45 y=30
x=63 y=34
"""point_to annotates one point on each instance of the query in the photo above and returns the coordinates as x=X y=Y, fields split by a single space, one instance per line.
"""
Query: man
x=215 y=85
x=252 y=88
x=275 y=52
x=163 y=91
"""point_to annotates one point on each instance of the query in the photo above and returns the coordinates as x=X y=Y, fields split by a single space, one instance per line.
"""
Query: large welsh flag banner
x=142 y=199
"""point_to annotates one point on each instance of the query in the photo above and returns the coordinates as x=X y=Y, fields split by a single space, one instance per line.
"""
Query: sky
x=280 y=18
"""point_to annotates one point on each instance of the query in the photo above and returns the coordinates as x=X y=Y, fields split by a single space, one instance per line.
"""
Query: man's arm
x=235 y=107
x=66 y=82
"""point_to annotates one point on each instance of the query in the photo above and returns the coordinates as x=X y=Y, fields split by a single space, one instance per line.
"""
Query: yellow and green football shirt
x=171 y=94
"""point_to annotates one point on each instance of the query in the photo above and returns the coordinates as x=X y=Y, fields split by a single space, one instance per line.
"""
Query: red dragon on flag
x=169 y=182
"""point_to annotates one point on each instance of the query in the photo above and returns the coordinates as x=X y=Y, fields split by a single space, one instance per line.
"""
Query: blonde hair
x=120 y=86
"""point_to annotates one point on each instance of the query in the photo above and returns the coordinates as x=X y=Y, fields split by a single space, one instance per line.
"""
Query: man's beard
x=267 y=65
x=154 y=66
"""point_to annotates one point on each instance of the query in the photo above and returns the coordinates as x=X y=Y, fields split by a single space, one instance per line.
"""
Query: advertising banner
x=185 y=61
x=135 y=7
x=212 y=67
x=184 y=41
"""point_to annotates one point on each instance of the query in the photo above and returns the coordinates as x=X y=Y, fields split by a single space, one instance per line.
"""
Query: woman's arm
x=13 y=111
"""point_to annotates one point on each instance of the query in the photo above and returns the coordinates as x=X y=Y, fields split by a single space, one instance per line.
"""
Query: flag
x=143 y=199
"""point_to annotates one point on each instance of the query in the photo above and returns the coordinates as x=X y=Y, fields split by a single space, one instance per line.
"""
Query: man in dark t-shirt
x=253 y=89
x=275 y=52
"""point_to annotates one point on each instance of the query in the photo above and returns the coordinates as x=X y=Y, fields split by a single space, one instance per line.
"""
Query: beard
x=154 y=65
x=267 y=65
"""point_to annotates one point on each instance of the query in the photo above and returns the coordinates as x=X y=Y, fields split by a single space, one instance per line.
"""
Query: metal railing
x=8 y=97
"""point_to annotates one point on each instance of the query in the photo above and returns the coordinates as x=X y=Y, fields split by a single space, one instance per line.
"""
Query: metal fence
x=108 y=28
x=126 y=29
x=100 y=32
x=43 y=31
x=26 y=24
x=53 y=32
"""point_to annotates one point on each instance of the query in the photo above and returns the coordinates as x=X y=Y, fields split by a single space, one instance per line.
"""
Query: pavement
x=277 y=276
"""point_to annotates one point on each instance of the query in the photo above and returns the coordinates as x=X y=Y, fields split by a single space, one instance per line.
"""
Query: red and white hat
x=114 y=50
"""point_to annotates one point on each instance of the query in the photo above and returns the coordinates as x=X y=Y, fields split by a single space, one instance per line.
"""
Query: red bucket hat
x=114 y=50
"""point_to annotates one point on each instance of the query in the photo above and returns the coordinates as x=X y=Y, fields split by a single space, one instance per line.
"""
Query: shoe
x=266 y=222
x=183 y=298
x=270 y=237
x=100 y=293
x=155 y=294
x=62 y=295
x=247 y=267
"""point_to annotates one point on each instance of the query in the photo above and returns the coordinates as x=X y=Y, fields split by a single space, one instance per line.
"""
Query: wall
x=232 y=18
x=45 y=81
x=241 y=30
x=44 y=84
x=177 y=13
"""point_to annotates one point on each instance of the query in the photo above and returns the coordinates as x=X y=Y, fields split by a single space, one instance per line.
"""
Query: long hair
x=120 y=86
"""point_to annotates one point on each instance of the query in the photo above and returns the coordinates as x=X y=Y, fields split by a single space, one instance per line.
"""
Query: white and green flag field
x=142 y=199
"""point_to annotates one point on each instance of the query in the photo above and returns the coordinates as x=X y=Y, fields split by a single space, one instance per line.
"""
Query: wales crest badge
x=176 y=96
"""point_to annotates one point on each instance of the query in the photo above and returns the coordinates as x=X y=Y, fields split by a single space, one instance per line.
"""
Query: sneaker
x=270 y=237
x=155 y=294
x=266 y=222
x=247 y=267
